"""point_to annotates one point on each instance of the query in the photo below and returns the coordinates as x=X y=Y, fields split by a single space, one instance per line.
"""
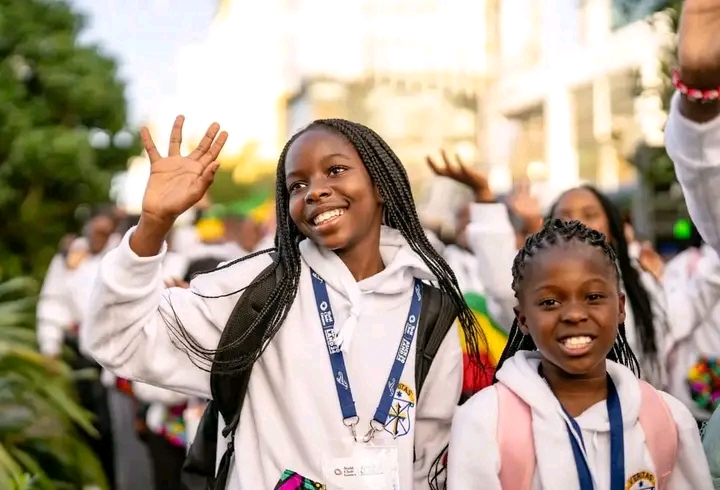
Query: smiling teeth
x=576 y=342
x=327 y=215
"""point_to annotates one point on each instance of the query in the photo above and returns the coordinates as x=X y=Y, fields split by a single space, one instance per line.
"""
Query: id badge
x=356 y=466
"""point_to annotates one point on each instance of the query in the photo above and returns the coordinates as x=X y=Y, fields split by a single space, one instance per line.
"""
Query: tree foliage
x=40 y=448
x=54 y=93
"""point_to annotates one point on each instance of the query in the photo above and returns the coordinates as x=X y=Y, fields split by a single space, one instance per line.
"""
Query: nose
x=317 y=191
x=574 y=313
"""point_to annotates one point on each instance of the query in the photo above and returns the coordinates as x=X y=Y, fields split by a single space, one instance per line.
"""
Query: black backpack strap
x=228 y=389
x=436 y=318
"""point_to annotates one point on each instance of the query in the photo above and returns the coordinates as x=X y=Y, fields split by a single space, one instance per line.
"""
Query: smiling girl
x=352 y=253
x=574 y=414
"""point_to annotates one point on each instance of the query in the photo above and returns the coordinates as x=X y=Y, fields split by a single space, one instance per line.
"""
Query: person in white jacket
x=692 y=139
x=472 y=272
x=338 y=182
x=568 y=361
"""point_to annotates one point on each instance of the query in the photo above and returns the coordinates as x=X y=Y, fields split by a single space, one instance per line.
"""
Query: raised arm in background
x=693 y=131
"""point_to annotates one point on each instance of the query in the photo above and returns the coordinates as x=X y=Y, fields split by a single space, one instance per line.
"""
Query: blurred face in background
x=99 y=230
x=245 y=232
x=582 y=205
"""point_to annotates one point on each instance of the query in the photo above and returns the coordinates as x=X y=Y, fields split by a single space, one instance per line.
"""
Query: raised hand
x=464 y=175
x=699 y=55
x=699 y=43
x=527 y=207
x=177 y=183
x=650 y=261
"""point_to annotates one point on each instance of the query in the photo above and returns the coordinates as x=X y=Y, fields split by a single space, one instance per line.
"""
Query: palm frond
x=40 y=446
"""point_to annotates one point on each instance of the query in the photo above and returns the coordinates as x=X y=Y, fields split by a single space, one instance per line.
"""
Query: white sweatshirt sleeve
x=139 y=330
x=53 y=313
x=691 y=467
x=695 y=151
x=491 y=238
x=474 y=456
x=692 y=302
x=436 y=405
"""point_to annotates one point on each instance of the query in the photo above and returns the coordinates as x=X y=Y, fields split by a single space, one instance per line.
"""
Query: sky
x=145 y=36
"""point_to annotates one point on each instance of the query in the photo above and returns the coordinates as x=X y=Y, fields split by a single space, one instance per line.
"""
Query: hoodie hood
x=402 y=266
x=520 y=374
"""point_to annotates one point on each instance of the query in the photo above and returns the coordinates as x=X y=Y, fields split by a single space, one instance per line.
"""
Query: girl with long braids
x=567 y=390
x=353 y=255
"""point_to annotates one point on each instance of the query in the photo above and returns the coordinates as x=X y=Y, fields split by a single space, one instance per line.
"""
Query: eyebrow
x=323 y=159
x=547 y=285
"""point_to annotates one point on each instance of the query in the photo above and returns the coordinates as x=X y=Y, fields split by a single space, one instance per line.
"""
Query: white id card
x=355 y=466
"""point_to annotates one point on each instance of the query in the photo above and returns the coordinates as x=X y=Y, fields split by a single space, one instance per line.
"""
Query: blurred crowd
x=145 y=431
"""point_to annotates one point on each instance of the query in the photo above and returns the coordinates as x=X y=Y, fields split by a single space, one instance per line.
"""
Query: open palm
x=463 y=174
x=177 y=183
x=699 y=43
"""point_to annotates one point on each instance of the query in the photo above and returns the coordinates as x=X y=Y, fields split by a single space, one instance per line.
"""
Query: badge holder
x=357 y=465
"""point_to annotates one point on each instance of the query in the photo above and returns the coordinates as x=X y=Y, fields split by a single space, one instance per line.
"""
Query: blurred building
x=413 y=70
x=575 y=90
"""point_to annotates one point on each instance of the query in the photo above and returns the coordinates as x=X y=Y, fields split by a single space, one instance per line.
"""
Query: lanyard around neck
x=617 y=444
x=337 y=360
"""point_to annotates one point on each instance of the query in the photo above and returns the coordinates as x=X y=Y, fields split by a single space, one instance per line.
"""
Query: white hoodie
x=54 y=317
x=291 y=413
x=474 y=459
x=695 y=150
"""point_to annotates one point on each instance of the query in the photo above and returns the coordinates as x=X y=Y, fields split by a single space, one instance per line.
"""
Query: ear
x=378 y=196
x=621 y=307
x=521 y=320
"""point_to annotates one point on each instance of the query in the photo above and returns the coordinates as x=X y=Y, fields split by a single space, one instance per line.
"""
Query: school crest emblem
x=642 y=480
x=399 y=418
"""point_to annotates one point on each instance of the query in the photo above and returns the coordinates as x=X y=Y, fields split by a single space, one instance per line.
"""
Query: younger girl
x=649 y=316
x=352 y=253
x=568 y=364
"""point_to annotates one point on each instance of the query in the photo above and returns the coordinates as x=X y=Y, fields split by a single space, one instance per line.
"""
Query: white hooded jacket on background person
x=468 y=274
x=53 y=317
x=474 y=456
x=492 y=239
x=695 y=151
x=291 y=412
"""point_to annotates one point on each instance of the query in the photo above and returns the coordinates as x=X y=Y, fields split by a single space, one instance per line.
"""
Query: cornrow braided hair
x=555 y=232
x=388 y=174
x=643 y=317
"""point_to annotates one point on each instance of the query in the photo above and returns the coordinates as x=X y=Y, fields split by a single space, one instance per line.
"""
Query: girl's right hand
x=177 y=183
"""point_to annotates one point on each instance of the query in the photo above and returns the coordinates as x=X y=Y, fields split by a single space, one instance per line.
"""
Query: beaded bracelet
x=694 y=94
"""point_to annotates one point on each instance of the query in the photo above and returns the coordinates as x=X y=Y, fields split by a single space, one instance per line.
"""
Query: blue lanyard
x=617 y=445
x=337 y=360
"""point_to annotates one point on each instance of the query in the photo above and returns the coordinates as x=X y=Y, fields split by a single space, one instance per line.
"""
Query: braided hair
x=388 y=174
x=637 y=295
x=554 y=232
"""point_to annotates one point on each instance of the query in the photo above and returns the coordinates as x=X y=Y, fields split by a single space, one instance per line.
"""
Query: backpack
x=517 y=461
x=228 y=390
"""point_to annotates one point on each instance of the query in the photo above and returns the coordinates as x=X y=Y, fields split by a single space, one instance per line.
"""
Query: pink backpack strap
x=661 y=434
x=517 y=461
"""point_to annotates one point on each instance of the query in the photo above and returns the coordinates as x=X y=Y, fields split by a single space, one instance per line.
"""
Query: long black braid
x=556 y=231
x=388 y=174
x=637 y=295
